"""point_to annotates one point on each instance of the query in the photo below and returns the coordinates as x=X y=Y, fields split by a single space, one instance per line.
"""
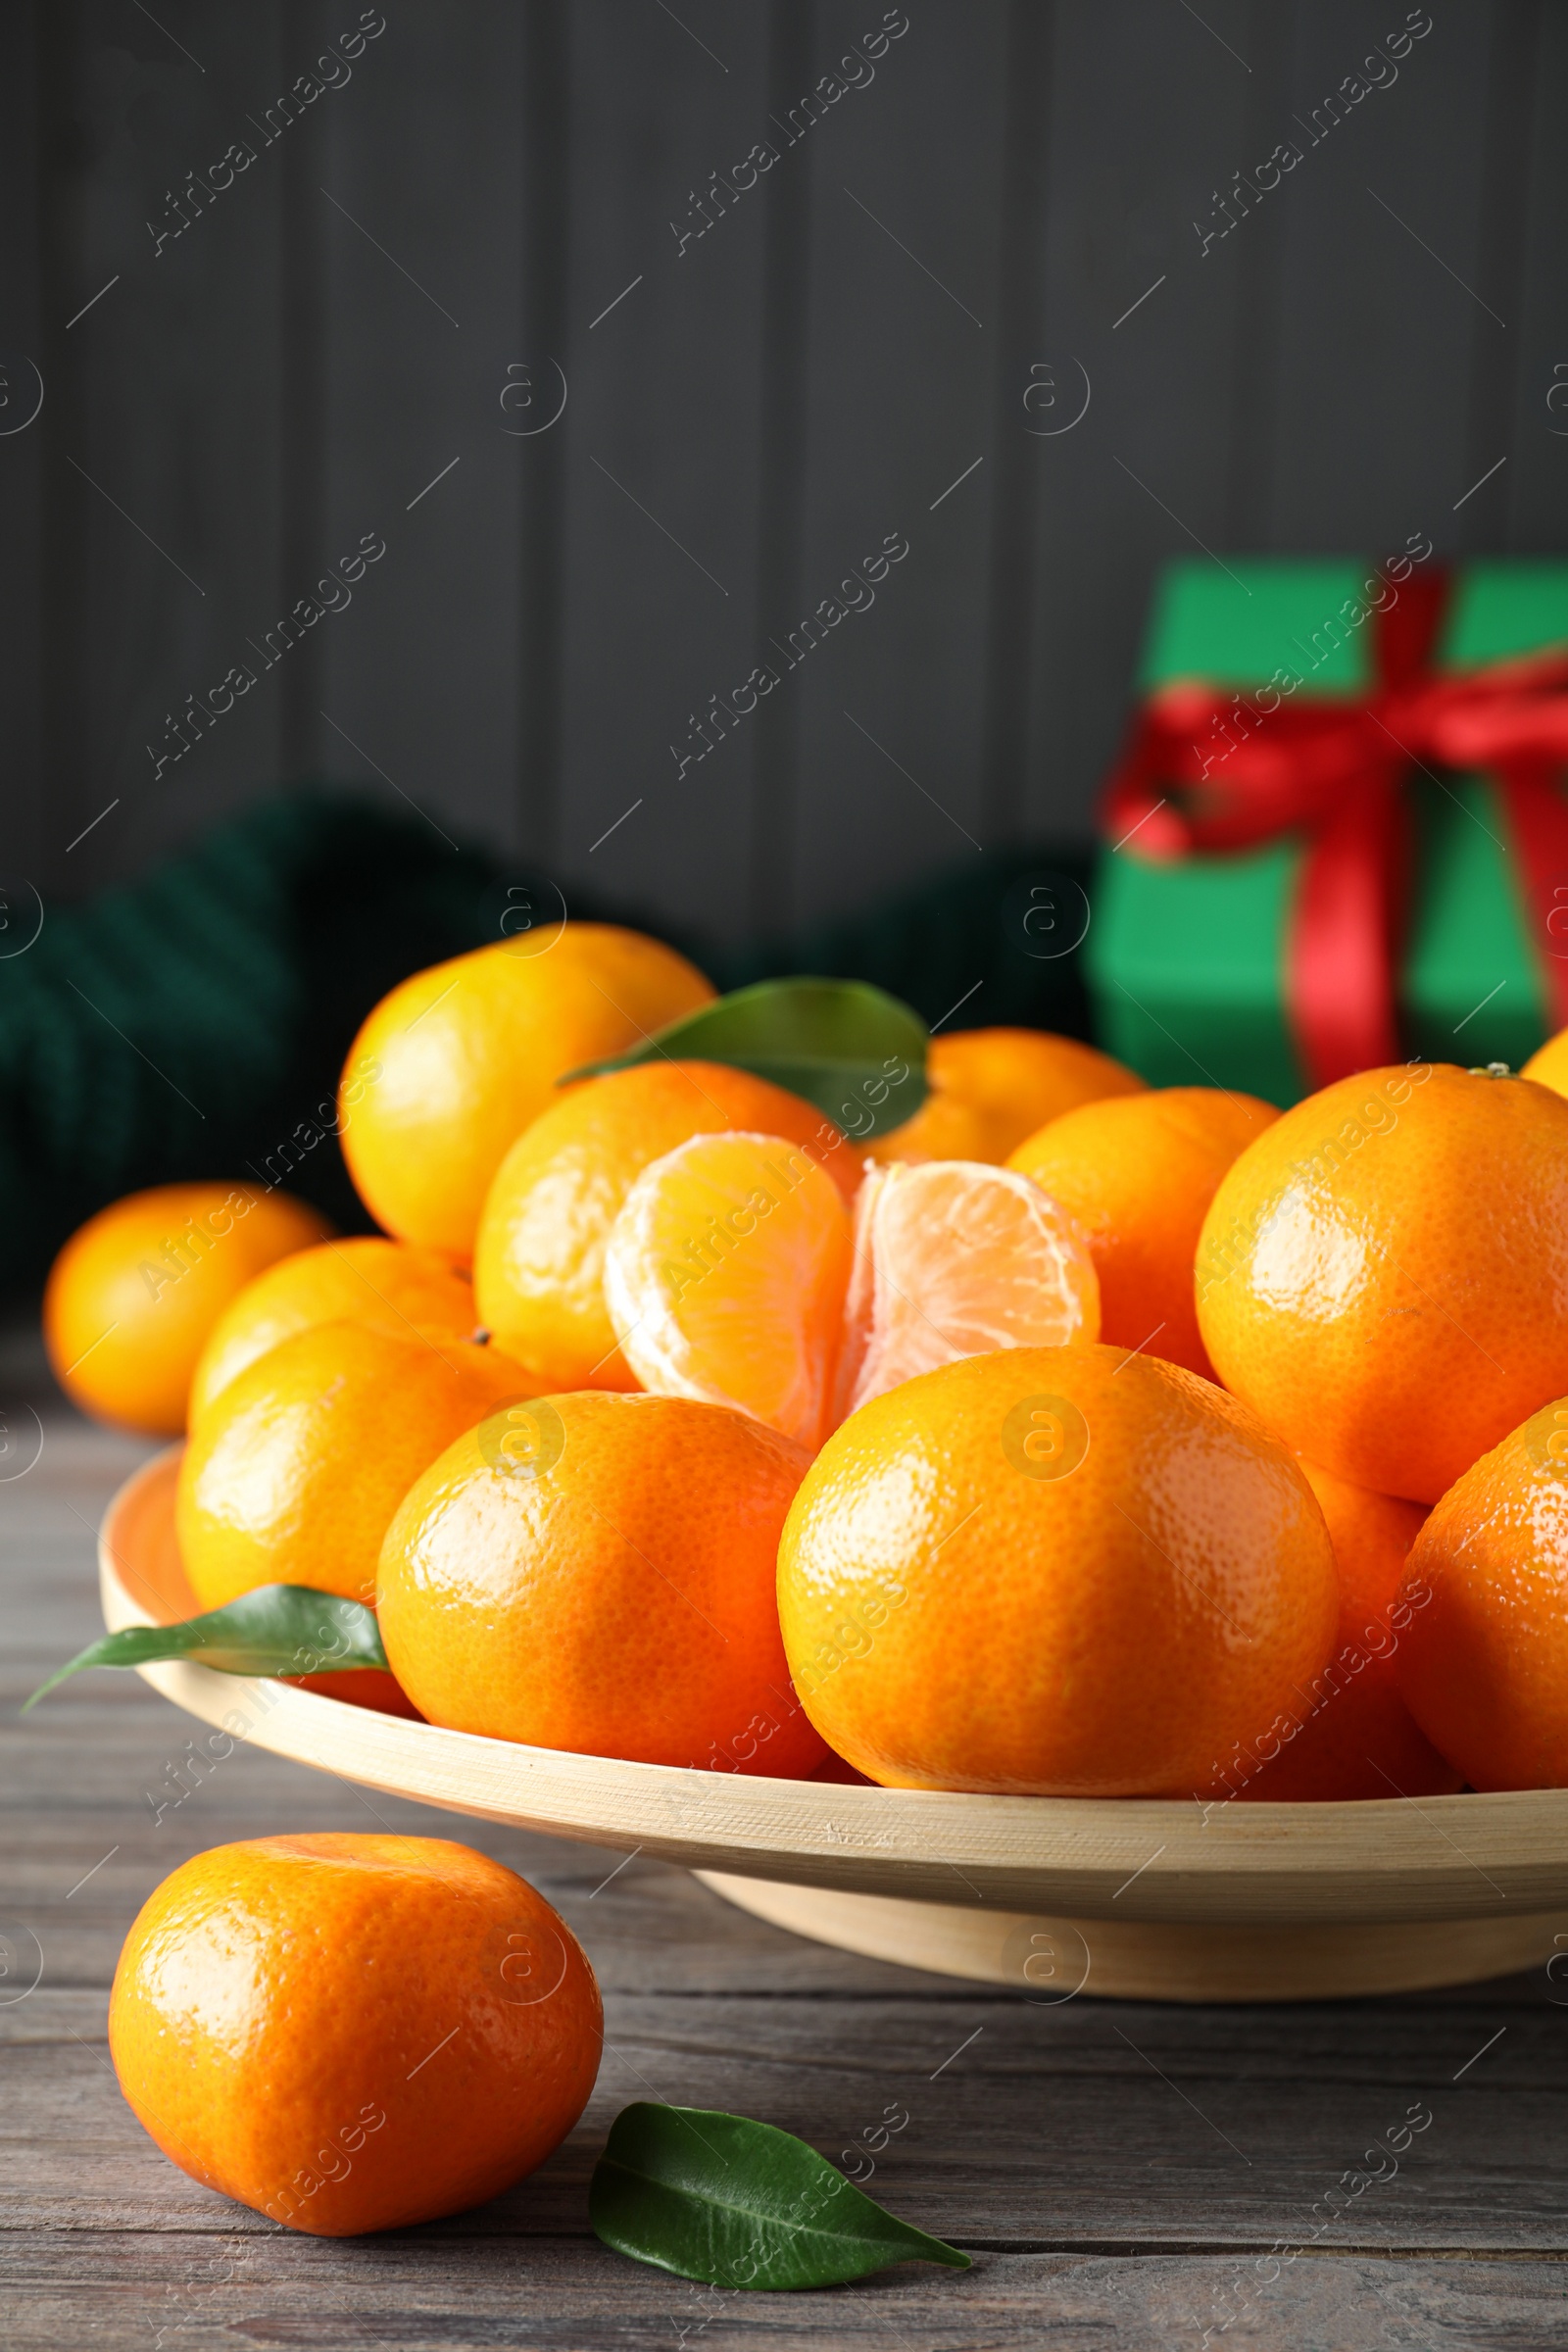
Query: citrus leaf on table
x=857 y=1053
x=741 y=2204
x=278 y=1629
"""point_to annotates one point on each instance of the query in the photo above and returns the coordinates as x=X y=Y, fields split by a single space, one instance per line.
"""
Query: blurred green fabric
x=185 y=1026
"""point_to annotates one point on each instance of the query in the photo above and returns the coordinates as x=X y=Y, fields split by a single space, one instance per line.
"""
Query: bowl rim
x=1135 y=1858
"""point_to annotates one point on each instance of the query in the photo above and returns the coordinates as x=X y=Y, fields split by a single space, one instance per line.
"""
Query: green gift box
x=1187 y=958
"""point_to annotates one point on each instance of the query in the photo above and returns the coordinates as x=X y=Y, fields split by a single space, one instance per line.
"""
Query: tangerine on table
x=990 y=1088
x=299 y=1464
x=1052 y=1571
x=353 y=2033
x=954 y=1258
x=595 y=1572
x=1383 y=1275
x=1138 y=1172
x=1355 y=1737
x=1484 y=1666
x=724 y=1276
x=455 y=1063
x=539 y=1259
x=362 y=1280
x=135 y=1293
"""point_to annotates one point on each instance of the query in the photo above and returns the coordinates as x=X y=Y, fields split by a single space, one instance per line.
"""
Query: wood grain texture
x=1126 y=298
x=1124 y=2175
x=176 y=399
x=463 y=2296
x=1334 y=373
x=22 y=443
x=663 y=452
x=901 y=336
x=423 y=315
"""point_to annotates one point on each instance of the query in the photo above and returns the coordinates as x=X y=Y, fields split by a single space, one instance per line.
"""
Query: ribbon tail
x=1537 y=820
x=1343 y=944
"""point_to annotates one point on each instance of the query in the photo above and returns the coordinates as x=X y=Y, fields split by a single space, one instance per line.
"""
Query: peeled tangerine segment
x=725 y=1274
x=955 y=1258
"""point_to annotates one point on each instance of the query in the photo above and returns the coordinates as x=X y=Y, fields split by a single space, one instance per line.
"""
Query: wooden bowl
x=1145 y=1899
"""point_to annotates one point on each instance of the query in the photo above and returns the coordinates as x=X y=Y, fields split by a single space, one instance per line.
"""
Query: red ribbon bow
x=1334 y=770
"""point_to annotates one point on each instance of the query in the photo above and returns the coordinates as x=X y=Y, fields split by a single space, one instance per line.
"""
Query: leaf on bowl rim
x=741 y=2204
x=855 y=1052
x=272 y=1630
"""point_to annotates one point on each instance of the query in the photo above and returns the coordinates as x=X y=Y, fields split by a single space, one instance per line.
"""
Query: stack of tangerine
x=1077 y=1439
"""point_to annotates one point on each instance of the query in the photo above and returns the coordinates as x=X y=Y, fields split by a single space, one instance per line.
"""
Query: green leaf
x=856 y=1053
x=718 y=2197
x=278 y=1629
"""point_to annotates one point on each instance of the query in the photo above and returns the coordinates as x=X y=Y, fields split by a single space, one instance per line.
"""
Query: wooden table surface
x=1119 y=2172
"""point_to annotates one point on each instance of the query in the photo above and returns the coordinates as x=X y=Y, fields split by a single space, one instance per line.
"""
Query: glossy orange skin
x=991 y=1087
x=135 y=1292
x=539 y=1261
x=298 y=1467
x=362 y=1280
x=1138 y=1172
x=1484 y=1666
x=1384 y=1274
x=352 y=2033
x=957 y=1615
x=1355 y=1735
x=453 y=1065
x=614 y=1595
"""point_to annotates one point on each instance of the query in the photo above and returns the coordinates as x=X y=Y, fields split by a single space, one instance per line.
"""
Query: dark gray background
x=1335 y=374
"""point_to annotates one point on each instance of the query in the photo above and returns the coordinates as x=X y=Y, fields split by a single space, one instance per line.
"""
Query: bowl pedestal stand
x=1050 y=1960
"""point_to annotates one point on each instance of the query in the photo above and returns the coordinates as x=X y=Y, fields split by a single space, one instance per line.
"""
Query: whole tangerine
x=1352 y=1736
x=1052 y=1571
x=539 y=1261
x=135 y=1294
x=1383 y=1275
x=1137 y=1173
x=991 y=1087
x=452 y=1065
x=595 y=1572
x=362 y=1280
x=298 y=1467
x=1484 y=1666
x=353 y=2033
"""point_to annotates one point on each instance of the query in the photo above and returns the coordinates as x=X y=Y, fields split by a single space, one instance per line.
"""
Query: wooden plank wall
x=364 y=332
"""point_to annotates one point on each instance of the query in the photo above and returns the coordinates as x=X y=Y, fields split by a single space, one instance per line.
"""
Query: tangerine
x=724 y=1277
x=539 y=1261
x=353 y=2033
x=361 y=1280
x=595 y=1572
x=135 y=1292
x=1138 y=1172
x=299 y=1464
x=954 y=1258
x=1355 y=1737
x=991 y=1087
x=1484 y=1666
x=455 y=1063
x=1052 y=1571
x=1383 y=1274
